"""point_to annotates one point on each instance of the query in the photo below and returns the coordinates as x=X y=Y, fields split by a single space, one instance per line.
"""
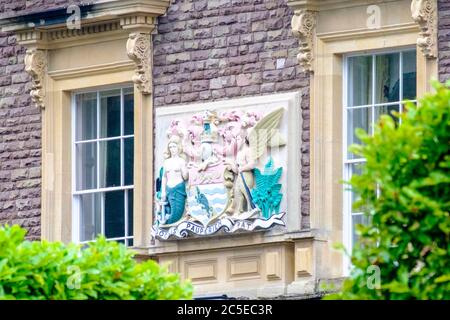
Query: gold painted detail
x=424 y=13
x=36 y=66
x=303 y=27
x=139 y=50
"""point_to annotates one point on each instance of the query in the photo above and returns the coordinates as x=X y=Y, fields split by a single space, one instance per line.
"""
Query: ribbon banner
x=225 y=224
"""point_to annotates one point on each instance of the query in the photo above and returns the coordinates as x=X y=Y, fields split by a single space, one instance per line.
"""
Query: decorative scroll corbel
x=139 y=50
x=36 y=65
x=303 y=27
x=424 y=13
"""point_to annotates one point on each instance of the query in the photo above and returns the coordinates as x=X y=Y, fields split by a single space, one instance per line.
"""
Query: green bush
x=408 y=237
x=102 y=270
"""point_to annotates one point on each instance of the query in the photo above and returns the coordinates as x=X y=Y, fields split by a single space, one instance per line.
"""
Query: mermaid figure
x=173 y=193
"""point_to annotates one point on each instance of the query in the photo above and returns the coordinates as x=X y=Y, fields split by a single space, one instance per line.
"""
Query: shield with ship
x=207 y=195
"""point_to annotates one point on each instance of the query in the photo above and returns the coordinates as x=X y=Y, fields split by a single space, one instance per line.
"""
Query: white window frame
x=347 y=194
x=76 y=214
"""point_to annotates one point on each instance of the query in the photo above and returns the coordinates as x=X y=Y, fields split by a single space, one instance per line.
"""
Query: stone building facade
x=241 y=49
x=201 y=52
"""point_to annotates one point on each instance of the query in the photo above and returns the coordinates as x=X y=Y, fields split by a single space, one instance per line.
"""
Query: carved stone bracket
x=424 y=13
x=303 y=27
x=139 y=50
x=36 y=66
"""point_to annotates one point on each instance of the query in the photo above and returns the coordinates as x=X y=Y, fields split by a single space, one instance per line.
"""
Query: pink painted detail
x=176 y=129
x=235 y=115
x=193 y=151
x=197 y=119
x=251 y=118
x=211 y=175
x=194 y=132
x=192 y=145
x=230 y=146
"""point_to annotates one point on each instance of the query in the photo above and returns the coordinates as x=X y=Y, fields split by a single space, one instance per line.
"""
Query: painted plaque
x=220 y=171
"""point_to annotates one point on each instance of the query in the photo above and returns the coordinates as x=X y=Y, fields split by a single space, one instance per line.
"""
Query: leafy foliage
x=408 y=237
x=103 y=270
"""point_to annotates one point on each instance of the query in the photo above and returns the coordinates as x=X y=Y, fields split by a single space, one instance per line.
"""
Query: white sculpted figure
x=253 y=143
x=242 y=167
x=173 y=186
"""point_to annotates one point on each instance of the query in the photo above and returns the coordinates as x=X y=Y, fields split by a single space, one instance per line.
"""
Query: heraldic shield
x=208 y=198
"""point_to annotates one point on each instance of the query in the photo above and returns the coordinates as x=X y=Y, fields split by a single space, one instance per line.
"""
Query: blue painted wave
x=217 y=207
x=198 y=212
x=211 y=202
x=211 y=198
x=208 y=191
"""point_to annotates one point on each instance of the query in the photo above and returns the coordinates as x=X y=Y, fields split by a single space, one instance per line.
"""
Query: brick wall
x=20 y=142
x=220 y=49
x=204 y=50
x=444 y=40
x=20 y=132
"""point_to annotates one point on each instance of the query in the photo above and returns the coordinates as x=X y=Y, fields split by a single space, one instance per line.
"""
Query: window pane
x=105 y=164
x=90 y=218
x=110 y=113
x=360 y=81
x=387 y=81
x=128 y=106
x=130 y=213
x=409 y=75
x=86 y=116
x=86 y=166
x=110 y=163
x=357 y=118
x=358 y=219
x=129 y=160
x=114 y=214
x=392 y=110
x=130 y=242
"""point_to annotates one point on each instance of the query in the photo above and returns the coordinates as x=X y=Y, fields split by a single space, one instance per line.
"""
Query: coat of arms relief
x=218 y=174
